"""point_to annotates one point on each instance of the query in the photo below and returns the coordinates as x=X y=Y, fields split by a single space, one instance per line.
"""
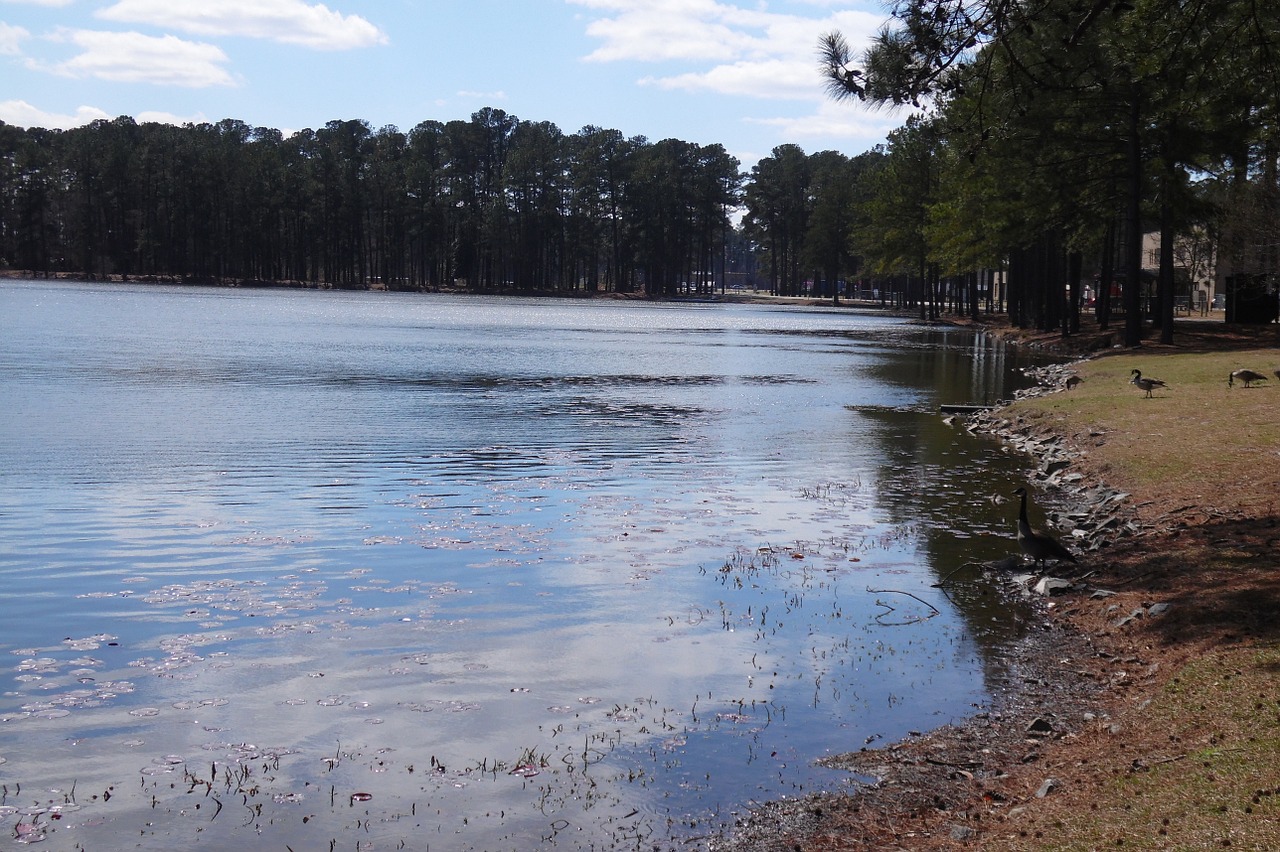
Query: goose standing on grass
x=1246 y=376
x=1147 y=385
x=1036 y=544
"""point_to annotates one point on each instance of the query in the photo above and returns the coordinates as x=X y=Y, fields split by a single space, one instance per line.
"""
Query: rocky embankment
x=948 y=788
x=1062 y=695
x=1082 y=507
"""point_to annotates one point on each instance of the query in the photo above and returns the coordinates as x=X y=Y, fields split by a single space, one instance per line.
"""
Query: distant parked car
x=1219 y=301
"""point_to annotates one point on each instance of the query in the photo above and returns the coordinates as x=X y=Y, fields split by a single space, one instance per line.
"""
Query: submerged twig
x=889 y=609
x=954 y=572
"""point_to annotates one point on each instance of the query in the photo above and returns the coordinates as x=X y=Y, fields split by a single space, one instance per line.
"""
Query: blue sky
x=742 y=73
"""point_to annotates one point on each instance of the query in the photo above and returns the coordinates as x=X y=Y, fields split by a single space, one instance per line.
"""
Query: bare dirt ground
x=1145 y=713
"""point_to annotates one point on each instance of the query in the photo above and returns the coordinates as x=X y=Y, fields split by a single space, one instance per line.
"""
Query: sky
x=740 y=73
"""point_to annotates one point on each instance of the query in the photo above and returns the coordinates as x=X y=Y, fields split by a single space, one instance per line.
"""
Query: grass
x=1213 y=782
x=1195 y=763
x=1196 y=437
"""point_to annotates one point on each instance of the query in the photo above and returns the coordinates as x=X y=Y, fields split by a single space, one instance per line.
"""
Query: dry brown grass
x=1196 y=441
x=1193 y=761
x=1202 y=775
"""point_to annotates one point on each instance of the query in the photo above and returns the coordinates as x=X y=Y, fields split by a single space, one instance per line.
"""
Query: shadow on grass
x=1222 y=580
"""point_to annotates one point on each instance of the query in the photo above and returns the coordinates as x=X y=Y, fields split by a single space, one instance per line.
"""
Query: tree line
x=1048 y=138
x=492 y=204
x=1050 y=135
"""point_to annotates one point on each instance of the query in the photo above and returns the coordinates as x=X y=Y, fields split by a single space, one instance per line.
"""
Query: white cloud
x=653 y=33
x=770 y=78
x=23 y=114
x=285 y=21
x=136 y=58
x=10 y=39
x=734 y=50
x=157 y=117
x=835 y=121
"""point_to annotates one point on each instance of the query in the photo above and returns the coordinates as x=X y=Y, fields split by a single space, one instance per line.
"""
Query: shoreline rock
x=1093 y=513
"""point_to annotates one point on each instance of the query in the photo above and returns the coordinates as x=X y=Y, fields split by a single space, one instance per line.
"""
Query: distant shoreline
x=739 y=296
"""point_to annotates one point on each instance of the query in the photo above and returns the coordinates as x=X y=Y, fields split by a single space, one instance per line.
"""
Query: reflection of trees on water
x=952 y=485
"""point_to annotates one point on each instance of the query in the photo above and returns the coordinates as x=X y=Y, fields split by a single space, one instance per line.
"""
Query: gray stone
x=1159 y=609
x=1049 y=785
x=1052 y=467
x=1039 y=728
x=1050 y=586
x=1131 y=617
x=1009 y=563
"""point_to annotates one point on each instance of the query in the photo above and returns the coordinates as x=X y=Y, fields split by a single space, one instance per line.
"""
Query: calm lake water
x=353 y=571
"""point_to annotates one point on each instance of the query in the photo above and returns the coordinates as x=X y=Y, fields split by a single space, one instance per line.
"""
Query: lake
x=336 y=570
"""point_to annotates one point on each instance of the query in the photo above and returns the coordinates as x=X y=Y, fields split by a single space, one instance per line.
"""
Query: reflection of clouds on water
x=322 y=690
x=354 y=572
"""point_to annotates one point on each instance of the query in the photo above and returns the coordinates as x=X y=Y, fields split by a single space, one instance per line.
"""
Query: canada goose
x=1147 y=385
x=1246 y=376
x=1034 y=543
x=1072 y=381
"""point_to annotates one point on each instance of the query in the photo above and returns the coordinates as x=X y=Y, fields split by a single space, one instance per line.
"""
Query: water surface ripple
x=312 y=568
